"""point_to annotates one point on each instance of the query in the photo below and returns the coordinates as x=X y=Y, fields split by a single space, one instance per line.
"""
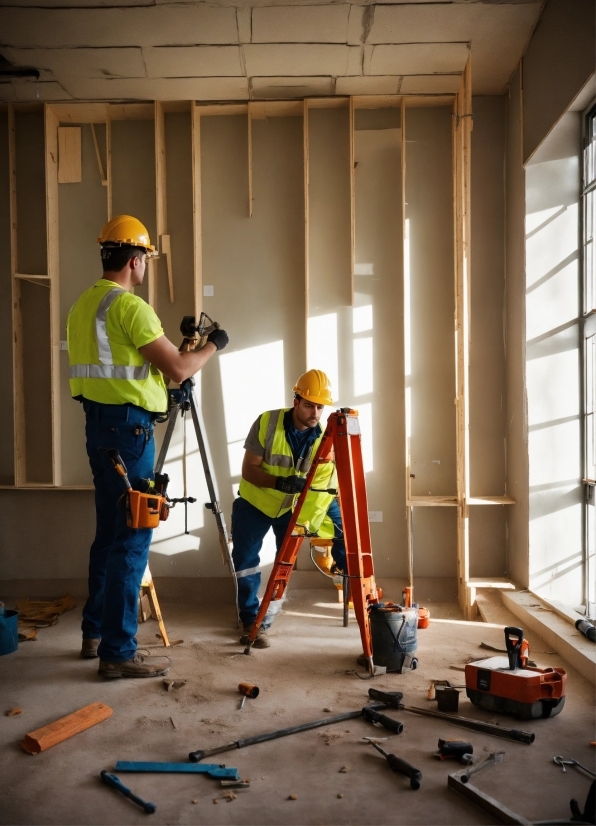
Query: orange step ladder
x=342 y=435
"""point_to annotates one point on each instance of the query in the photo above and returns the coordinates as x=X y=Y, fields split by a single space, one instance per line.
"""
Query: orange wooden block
x=46 y=737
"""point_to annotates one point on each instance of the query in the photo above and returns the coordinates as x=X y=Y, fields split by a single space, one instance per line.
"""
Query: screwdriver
x=118 y=463
x=398 y=765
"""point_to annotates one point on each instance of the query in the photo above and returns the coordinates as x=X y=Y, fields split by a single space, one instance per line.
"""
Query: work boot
x=89 y=647
x=261 y=640
x=138 y=666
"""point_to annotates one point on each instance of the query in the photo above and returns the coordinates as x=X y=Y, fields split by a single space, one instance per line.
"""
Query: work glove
x=290 y=484
x=219 y=338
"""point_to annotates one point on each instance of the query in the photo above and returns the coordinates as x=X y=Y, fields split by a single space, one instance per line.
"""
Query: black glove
x=219 y=338
x=290 y=484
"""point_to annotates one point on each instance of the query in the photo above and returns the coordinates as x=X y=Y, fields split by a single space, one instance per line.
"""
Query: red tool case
x=529 y=693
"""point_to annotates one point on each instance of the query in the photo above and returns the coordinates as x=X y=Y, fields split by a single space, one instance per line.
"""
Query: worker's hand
x=219 y=338
x=290 y=484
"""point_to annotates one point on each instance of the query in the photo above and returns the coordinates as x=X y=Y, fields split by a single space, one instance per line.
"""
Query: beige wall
x=429 y=217
x=487 y=348
x=83 y=212
x=517 y=426
x=376 y=386
x=6 y=408
x=32 y=259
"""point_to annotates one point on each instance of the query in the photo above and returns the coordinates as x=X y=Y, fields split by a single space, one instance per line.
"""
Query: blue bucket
x=394 y=636
x=9 y=632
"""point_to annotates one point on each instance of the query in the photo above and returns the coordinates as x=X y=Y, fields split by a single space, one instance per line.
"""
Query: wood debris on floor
x=12 y=712
x=36 y=614
x=66 y=727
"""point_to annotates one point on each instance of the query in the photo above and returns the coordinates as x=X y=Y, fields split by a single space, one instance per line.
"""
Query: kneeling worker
x=280 y=448
x=118 y=356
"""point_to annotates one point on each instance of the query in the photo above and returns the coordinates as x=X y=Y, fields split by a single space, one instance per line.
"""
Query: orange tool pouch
x=145 y=510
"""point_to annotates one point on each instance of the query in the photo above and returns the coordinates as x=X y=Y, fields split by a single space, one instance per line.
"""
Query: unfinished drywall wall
x=329 y=284
x=560 y=58
x=35 y=319
x=377 y=338
x=430 y=368
x=180 y=226
x=82 y=213
x=133 y=175
x=487 y=344
x=553 y=375
x=31 y=201
x=515 y=342
x=46 y=534
x=6 y=403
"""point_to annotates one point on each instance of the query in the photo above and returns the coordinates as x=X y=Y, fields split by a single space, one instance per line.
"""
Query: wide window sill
x=554 y=622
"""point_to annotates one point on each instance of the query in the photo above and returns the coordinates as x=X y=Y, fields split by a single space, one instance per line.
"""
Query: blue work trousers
x=118 y=555
x=249 y=528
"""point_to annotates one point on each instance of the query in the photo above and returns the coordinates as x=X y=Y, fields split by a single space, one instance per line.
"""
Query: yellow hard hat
x=314 y=386
x=124 y=229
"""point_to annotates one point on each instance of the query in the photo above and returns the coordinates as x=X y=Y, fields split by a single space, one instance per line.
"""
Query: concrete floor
x=301 y=675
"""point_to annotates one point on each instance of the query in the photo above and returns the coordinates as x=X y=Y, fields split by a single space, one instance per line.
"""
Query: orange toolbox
x=510 y=686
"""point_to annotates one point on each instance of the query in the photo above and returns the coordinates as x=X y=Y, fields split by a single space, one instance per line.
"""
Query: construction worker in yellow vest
x=280 y=447
x=118 y=356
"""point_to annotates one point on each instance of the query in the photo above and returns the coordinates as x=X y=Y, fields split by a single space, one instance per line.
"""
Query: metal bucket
x=9 y=632
x=394 y=636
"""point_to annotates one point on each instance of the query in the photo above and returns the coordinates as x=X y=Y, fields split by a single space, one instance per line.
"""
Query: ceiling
x=160 y=50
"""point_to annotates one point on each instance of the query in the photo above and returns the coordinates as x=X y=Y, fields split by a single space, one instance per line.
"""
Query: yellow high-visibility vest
x=105 y=328
x=278 y=461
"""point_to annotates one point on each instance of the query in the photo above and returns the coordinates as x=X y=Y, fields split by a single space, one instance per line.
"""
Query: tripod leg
x=161 y=459
x=213 y=505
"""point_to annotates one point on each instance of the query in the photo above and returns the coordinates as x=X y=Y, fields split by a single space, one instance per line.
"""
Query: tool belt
x=145 y=510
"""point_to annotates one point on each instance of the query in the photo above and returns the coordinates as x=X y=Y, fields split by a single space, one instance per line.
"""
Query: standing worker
x=280 y=448
x=118 y=356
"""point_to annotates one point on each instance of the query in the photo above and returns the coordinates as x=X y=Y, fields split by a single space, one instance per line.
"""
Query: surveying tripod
x=181 y=400
x=343 y=436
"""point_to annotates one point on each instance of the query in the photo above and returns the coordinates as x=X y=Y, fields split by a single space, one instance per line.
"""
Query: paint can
x=9 y=632
x=394 y=636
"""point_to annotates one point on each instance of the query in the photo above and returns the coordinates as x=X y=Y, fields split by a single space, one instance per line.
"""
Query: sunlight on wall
x=170 y=539
x=363 y=366
x=553 y=377
x=252 y=381
x=322 y=348
x=362 y=319
x=363 y=370
x=363 y=269
x=366 y=427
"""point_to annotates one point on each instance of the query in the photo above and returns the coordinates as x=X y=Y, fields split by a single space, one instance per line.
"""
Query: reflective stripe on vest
x=106 y=369
x=109 y=371
x=281 y=459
